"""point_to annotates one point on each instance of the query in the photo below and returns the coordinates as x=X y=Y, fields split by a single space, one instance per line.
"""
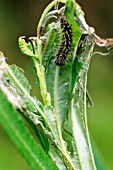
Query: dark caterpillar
x=66 y=42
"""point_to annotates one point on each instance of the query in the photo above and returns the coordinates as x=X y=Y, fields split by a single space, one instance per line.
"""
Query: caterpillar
x=66 y=42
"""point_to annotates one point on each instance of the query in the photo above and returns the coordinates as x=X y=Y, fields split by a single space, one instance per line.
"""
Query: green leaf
x=32 y=107
x=15 y=85
x=48 y=50
x=48 y=110
x=55 y=86
x=21 y=137
x=58 y=78
x=58 y=86
x=57 y=158
x=19 y=86
x=78 y=105
x=42 y=140
x=19 y=74
x=26 y=48
x=70 y=11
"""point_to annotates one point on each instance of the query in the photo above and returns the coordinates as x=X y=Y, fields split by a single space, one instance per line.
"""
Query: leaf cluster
x=59 y=123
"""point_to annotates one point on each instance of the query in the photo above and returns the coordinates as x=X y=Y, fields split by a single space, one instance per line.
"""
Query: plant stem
x=41 y=75
x=48 y=8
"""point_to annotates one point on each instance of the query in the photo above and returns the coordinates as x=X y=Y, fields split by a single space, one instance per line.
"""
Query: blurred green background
x=19 y=18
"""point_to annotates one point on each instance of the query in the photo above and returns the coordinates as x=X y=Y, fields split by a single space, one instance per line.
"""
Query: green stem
x=41 y=75
x=48 y=8
x=39 y=46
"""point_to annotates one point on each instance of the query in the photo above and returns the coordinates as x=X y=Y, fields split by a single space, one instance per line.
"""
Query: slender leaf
x=15 y=85
x=48 y=110
x=19 y=86
x=63 y=90
x=48 y=50
x=21 y=137
x=57 y=78
x=78 y=106
x=19 y=74
x=57 y=158
x=42 y=140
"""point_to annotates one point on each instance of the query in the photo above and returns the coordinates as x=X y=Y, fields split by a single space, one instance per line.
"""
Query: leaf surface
x=78 y=105
x=21 y=137
x=58 y=78
x=27 y=48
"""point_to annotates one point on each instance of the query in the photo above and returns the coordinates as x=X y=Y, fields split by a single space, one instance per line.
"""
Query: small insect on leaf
x=65 y=46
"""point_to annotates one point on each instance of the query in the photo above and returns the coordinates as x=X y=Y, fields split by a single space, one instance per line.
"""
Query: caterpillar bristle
x=65 y=46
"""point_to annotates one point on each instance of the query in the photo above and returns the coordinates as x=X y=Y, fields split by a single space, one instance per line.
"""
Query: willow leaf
x=48 y=48
x=41 y=139
x=58 y=78
x=26 y=48
x=21 y=137
x=48 y=110
x=78 y=106
x=19 y=74
x=48 y=113
x=70 y=11
x=57 y=158
x=19 y=85
x=15 y=84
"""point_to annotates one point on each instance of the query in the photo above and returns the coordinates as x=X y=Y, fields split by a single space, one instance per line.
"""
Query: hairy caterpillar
x=66 y=42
